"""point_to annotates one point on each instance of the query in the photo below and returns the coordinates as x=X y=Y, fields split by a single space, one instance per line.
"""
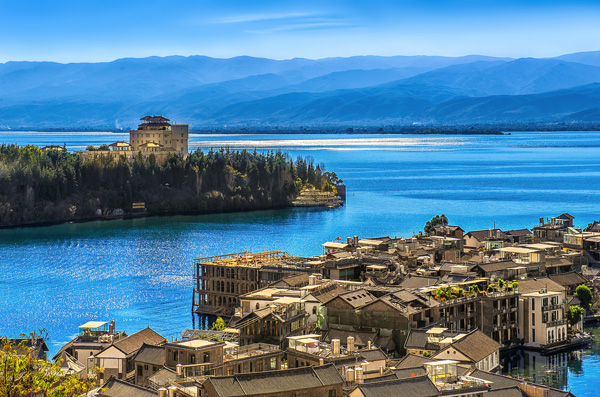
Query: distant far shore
x=503 y=129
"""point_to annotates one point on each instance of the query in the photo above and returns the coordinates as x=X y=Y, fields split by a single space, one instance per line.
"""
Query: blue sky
x=91 y=31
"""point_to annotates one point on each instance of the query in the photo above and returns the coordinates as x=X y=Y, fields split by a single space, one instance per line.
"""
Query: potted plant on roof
x=472 y=290
x=515 y=285
x=501 y=284
x=490 y=288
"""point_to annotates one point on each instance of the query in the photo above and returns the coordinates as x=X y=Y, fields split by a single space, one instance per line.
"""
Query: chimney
x=172 y=391
x=179 y=370
x=381 y=370
x=111 y=327
x=350 y=376
x=350 y=344
x=336 y=346
x=364 y=367
x=490 y=233
x=349 y=240
x=359 y=374
x=321 y=361
x=162 y=392
x=355 y=240
x=553 y=220
x=486 y=259
x=369 y=345
x=541 y=220
x=312 y=280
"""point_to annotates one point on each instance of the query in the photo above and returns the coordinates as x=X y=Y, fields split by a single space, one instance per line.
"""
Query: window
x=192 y=359
x=545 y=302
x=532 y=318
x=140 y=370
x=332 y=393
x=207 y=357
x=532 y=304
x=146 y=367
x=175 y=355
x=274 y=363
x=533 y=335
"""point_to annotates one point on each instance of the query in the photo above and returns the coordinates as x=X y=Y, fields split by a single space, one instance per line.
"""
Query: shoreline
x=39 y=224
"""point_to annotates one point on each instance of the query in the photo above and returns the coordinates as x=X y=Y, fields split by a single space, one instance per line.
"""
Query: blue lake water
x=139 y=272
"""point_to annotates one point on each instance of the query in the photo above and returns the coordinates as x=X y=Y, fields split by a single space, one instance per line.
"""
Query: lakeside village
x=436 y=314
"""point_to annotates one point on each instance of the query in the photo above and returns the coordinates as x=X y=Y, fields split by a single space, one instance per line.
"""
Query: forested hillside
x=49 y=186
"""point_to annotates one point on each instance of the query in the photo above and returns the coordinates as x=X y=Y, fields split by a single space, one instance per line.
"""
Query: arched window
x=257 y=305
x=314 y=310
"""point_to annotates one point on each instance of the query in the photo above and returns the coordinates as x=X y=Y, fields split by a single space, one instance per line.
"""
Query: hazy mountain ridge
x=208 y=92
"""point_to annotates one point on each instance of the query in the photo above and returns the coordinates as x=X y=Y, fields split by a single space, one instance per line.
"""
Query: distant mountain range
x=257 y=92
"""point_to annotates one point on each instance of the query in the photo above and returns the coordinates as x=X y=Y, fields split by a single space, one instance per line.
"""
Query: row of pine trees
x=49 y=186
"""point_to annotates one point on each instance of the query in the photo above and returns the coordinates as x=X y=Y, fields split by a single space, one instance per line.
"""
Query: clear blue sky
x=91 y=30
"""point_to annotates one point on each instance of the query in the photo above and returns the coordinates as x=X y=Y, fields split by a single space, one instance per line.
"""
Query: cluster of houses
x=426 y=316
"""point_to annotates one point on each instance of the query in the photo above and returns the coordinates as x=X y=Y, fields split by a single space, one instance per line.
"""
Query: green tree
x=574 y=315
x=436 y=220
x=218 y=325
x=584 y=294
x=22 y=374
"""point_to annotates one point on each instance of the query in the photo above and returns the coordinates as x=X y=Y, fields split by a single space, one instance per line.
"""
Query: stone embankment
x=317 y=198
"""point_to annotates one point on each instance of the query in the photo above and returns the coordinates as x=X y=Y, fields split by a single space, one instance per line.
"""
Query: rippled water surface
x=138 y=272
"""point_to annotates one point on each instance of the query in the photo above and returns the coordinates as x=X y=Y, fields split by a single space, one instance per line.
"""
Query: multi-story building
x=221 y=279
x=543 y=319
x=157 y=134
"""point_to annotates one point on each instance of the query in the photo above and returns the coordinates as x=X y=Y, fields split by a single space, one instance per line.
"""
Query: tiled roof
x=418 y=339
x=412 y=361
x=391 y=376
x=296 y=280
x=418 y=386
x=328 y=292
x=535 y=284
x=373 y=354
x=497 y=266
x=118 y=388
x=133 y=342
x=475 y=346
x=500 y=381
x=289 y=380
x=418 y=282
x=149 y=354
x=409 y=372
x=519 y=232
x=361 y=338
x=514 y=391
x=565 y=279
x=357 y=298
x=481 y=235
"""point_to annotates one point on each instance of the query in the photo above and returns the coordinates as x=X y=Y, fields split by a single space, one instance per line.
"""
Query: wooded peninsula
x=48 y=186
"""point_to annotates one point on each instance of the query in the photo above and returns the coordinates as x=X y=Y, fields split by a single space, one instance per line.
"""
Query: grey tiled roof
x=499 y=381
x=476 y=346
x=133 y=342
x=418 y=386
x=118 y=388
x=295 y=379
x=149 y=354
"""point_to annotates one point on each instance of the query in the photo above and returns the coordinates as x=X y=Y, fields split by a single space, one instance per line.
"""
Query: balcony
x=553 y=307
x=556 y=323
